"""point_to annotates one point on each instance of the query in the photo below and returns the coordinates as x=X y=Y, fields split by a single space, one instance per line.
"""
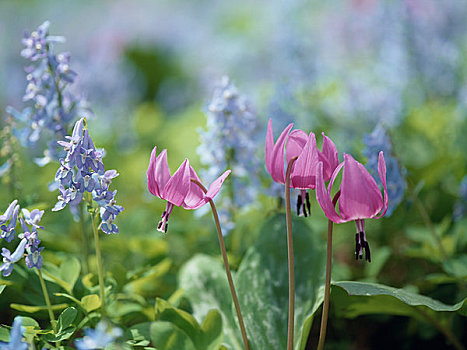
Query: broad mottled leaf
x=205 y=284
x=352 y=299
x=263 y=282
x=262 y=287
x=167 y=336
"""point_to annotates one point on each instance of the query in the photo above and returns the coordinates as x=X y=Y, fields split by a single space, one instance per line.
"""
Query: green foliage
x=205 y=284
x=207 y=336
x=262 y=287
x=352 y=299
x=91 y=302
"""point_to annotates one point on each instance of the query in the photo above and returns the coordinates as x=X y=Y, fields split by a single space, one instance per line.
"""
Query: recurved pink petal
x=215 y=187
x=158 y=172
x=213 y=190
x=304 y=172
x=195 y=194
x=176 y=189
x=333 y=177
x=382 y=177
x=329 y=157
x=324 y=198
x=274 y=153
x=360 y=195
x=295 y=143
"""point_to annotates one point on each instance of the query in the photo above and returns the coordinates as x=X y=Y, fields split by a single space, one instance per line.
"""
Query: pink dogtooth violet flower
x=360 y=197
x=178 y=189
x=303 y=175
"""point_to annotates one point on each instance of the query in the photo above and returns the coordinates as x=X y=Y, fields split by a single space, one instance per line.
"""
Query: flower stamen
x=163 y=224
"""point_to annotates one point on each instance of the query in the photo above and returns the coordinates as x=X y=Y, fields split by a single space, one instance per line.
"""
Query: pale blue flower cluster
x=82 y=171
x=379 y=140
x=231 y=141
x=98 y=338
x=460 y=208
x=29 y=243
x=16 y=337
x=51 y=106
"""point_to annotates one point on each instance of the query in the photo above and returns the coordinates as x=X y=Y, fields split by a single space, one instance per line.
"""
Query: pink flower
x=360 y=197
x=178 y=189
x=302 y=146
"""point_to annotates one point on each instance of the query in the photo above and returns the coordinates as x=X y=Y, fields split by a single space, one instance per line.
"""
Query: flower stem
x=85 y=239
x=288 y=216
x=327 y=285
x=47 y=301
x=100 y=271
x=227 y=267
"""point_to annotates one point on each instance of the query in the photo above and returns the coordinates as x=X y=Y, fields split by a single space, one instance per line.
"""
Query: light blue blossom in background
x=29 y=243
x=8 y=231
x=98 y=338
x=16 y=337
x=377 y=141
x=82 y=171
x=230 y=141
x=51 y=107
x=9 y=259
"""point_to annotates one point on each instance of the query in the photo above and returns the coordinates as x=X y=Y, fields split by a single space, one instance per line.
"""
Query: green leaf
x=2 y=287
x=91 y=302
x=32 y=309
x=212 y=331
x=264 y=270
x=66 y=318
x=51 y=273
x=182 y=319
x=456 y=267
x=29 y=322
x=167 y=336
x=63 y=335
x=69 y=272
x=205 y=337
x=32 y=328
x=4 y=334
x=140 y=334
x=68 y=296
x=352 y=299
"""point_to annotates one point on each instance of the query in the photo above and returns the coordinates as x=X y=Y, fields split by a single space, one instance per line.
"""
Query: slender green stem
x=288 y=215
x=227 y=267
x=84 y=232
x=100 y=271
x=327 y=285
x=47 y=301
